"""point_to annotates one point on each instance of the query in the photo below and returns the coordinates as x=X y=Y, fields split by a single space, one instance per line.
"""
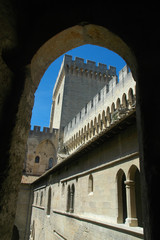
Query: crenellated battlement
x=78 y=65
x=45 y=131
x=109 y=104
x=88 y=69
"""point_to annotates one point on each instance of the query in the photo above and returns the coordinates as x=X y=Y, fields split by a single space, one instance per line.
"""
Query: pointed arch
x=95 y=126
x=99 y=123
x=85 y=133
x=41 y=198
x=135 y=195
x=91 y=128
x=108 y=114
x=113 y=107
x=90 y=184
x=130 y=97
x=72 y=198
x=118 y=103
x=49 y=202
x=104 y=118
x=68 y=198
x=121 y=196
x=124 y=101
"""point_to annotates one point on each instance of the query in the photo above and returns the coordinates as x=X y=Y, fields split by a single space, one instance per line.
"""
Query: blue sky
x=43 y=95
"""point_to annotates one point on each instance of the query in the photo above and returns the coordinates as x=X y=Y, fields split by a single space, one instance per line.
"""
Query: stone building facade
x=41 y=152
x=93 y=189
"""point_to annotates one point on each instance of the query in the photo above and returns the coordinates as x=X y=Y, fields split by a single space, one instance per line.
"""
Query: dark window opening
x=37 y=158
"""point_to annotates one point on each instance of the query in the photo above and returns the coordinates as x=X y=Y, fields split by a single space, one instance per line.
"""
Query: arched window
x=37 y=158
x=72 y=199
x=118 y=103
x=41 y=199
x=37 y=198
x=68 y=199
x=121 y=196
x=49 y=202
x=95 y=126
x=90 y=184
x=108 y=115
x=124 y=101
x=130 y=96
x=113 y=108
x=50 y=164
x=104 y=118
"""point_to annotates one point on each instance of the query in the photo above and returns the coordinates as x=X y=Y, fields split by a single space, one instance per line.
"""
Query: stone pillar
x=131 y=219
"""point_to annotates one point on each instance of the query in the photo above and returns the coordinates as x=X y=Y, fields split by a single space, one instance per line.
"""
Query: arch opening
x=135 y=194
x=49 y=202
x=39 y=65
x=121 y=195
x=74 y=37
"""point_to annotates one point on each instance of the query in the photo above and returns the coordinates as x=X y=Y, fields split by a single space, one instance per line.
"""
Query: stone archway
x=74 y=37
x=32 y=73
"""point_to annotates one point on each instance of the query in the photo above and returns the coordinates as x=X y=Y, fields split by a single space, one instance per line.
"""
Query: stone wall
x=111 y=104
x=43 y=146
x=95 y=210
x=76 y=84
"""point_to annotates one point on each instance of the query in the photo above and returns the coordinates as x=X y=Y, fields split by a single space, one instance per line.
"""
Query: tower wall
x=77 y=83
x=42 y=144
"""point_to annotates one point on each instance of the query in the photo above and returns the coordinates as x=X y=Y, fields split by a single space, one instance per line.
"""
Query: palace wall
x=114 y=100
x=41 y=148
x=95 y=210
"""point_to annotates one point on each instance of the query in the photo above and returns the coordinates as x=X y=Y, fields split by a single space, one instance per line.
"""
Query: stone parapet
x=108 y=106
x=46 y=131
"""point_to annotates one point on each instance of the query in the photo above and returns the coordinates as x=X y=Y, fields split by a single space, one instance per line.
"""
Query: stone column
x=131 y=219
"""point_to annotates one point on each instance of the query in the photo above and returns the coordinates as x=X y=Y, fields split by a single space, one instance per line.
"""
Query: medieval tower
x=77 y=83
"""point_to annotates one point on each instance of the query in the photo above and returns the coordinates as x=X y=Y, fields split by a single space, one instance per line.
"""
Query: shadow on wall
x=15 y=233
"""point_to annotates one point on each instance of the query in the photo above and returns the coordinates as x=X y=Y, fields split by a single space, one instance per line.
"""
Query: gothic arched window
x=49 y=202
x=68 y=199
x=121 y=194
x=90 y=184
x=72 y=199
x=41 y=199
